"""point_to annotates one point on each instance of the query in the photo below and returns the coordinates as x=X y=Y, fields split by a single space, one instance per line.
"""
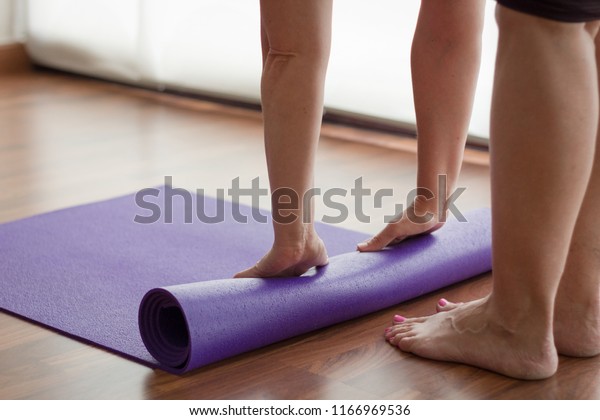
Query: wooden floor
x=67 y=141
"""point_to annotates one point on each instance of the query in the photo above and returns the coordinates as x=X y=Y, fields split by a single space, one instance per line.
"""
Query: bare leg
x=577 y=304
x=577 y=307
x=544 y=121
x=296 y=37
x=445 y=59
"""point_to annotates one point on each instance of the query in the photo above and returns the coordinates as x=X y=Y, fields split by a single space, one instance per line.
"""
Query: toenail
x=443 y=302
x=399 y=318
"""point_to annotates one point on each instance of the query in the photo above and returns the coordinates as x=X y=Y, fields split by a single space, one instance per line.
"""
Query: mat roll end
x=164 y=329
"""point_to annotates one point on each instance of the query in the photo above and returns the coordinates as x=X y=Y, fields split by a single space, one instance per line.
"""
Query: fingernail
x=362 y=244
x=443 y=302
x=399 y=318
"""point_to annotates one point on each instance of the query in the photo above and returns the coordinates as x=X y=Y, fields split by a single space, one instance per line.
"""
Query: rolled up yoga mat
x=162 y=294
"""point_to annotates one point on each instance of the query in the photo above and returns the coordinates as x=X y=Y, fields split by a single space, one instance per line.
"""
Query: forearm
x=296 y=41
x=445 y=62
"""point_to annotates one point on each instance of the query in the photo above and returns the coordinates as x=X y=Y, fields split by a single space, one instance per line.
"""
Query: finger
x=379 y=241
x=251 y=272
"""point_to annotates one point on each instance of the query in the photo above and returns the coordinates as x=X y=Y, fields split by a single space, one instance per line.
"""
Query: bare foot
x=577 y=324
x=410 y=223
x=289 y=261
x=444 y=305
x=470 y=333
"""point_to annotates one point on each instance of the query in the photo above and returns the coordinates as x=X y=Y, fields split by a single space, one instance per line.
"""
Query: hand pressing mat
x=93 y=273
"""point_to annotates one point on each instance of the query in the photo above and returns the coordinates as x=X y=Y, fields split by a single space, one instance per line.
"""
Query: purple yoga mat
x=93 y=273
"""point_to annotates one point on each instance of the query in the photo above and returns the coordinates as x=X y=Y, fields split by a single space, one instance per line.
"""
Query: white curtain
x=213 y=46
x=6 y=18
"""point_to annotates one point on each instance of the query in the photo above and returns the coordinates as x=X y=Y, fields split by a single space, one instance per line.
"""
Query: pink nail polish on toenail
x=443 y=302
x=399 y=318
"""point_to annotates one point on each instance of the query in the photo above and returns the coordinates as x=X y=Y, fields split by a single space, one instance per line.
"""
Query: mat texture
x=93 y=273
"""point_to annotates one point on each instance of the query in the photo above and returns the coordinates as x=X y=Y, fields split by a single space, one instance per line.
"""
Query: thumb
x=379 y=241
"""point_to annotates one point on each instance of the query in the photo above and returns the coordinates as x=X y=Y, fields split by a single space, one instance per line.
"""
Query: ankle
x=578 y=293
x=525 y=318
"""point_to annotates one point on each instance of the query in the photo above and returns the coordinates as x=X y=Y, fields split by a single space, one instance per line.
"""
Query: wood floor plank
x=69 y=140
